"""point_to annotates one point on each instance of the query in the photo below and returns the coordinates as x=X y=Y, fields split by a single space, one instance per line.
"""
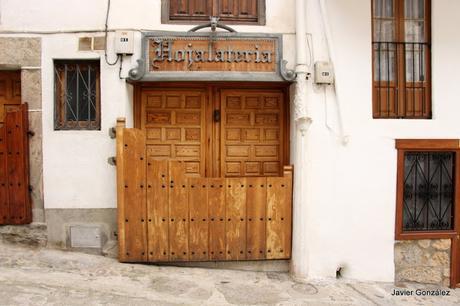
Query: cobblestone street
x=40 y=276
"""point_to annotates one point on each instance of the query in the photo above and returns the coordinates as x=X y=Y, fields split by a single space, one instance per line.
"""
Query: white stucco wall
x=351 y=188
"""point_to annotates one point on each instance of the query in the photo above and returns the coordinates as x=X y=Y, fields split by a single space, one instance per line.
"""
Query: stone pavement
x=40 y=276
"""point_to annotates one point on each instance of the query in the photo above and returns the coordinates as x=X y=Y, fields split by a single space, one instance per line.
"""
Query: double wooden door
x=218 y=131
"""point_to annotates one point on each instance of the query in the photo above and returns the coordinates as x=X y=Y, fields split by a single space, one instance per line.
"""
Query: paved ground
x=37 y=276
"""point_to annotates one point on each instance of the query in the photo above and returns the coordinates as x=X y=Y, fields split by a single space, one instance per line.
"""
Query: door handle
x=216 y=115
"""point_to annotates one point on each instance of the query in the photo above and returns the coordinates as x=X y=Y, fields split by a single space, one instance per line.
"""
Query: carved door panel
x=174 y=120
x=10 y=90
x=252 y=132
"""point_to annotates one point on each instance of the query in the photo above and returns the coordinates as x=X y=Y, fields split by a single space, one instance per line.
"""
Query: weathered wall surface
x=24 y=53
x=423 y=261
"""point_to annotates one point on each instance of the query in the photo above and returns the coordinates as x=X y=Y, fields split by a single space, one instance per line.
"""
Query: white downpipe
x=303 y=88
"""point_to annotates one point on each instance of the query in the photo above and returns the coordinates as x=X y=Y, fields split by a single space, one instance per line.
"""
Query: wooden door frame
x=212 y=103
x=431 y=145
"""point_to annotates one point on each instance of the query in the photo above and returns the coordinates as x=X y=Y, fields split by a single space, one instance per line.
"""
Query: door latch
x=216 y=115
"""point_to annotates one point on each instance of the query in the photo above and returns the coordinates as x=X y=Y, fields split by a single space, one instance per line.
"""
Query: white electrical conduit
x=331 y=55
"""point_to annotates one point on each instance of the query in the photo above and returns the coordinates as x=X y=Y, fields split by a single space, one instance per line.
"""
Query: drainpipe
x=302 y=119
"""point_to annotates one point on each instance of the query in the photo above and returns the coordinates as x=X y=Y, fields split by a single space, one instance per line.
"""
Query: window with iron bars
x=77 y=95
x=401 y=59
x=427 y=192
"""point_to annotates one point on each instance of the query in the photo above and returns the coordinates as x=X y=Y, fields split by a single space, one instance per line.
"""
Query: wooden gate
x=15 y=206
x=165 y=215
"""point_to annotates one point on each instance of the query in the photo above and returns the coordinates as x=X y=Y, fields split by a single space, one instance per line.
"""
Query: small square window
x=77 y=98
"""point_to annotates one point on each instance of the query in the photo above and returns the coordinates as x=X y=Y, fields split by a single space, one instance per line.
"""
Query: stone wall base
x=60 y=222
x=423 y=261
x=33 y=235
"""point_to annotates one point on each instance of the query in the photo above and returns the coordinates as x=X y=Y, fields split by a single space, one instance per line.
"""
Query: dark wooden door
x=217 y=130
x=15 y=205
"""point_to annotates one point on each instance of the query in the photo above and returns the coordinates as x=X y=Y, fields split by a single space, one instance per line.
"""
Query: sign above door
x=210 y=56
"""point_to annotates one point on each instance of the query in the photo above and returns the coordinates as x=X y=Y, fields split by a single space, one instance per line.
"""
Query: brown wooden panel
x=17 y=159
x=132 y=211
x=179 y=9
x=235 y=211
x=158 y=210
x=178 y=212
x=10 y=90
x=279 y=210
x=256 y=199
x=198 y=229
x=216 y=208
x=174 y=120
x=252 y=131
x=4 y=202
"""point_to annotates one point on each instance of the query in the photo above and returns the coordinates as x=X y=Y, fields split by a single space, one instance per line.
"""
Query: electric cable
x=106 y=34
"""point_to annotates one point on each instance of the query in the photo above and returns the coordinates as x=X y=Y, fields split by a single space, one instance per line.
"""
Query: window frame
x=426 y=145
x=166 y=18
x=400 y=111
x=60 y=122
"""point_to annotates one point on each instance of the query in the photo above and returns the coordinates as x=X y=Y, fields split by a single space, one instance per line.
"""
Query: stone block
x=442 y=245
x=36 y=160
x=420 y=274
x=440 y=259
x=446 y=272
x=31 y=88
x=446 y=282
x=22 y=51
x=85 y=43
x=408 y=254
x=33 y=235
x=425 y=243
x=98 y=43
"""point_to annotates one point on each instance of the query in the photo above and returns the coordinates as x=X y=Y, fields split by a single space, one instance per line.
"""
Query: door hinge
x=216 y=115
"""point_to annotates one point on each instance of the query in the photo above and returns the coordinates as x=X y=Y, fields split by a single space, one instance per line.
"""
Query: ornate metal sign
x=220 y=54
x=210 y=56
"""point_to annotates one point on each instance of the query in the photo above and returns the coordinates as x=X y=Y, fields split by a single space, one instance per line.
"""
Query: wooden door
x=252 y=132
x=15 y=205
x=174 y=121
x=219 y=131
x=204 y=175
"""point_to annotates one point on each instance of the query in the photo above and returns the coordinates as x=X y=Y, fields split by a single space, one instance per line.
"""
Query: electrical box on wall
x=124 y=42
x=324 y=73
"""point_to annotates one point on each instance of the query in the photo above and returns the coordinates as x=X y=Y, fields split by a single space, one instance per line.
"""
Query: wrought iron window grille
x=428 y=191
x=77 y=95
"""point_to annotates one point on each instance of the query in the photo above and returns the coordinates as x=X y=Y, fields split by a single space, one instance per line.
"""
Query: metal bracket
x=112 y=132
x=214 y=24
x=137 y=72
x=112 y=161
x=287 y=74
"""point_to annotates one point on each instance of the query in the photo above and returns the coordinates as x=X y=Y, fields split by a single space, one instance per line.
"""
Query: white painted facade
x=345 y=161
